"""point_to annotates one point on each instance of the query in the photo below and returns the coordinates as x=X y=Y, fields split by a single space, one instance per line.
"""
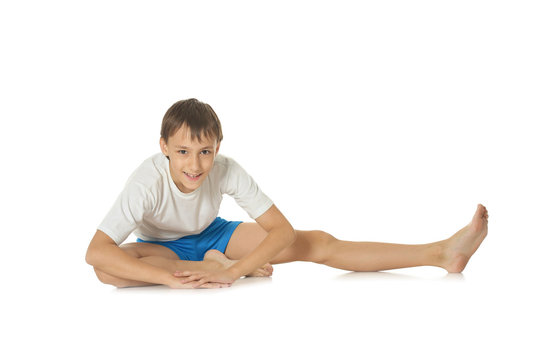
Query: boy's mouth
x=192 y=176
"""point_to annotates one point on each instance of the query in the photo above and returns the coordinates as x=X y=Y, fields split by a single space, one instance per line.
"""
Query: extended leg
x=317 y=246
x=373 y=256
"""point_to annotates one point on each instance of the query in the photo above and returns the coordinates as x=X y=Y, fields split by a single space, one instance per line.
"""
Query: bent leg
x=156 y=255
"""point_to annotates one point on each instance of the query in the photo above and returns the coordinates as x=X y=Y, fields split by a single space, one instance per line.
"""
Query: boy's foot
x=459 y=248
x=215 y=255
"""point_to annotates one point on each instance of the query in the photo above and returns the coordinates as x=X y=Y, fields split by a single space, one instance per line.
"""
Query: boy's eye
x=184 y=152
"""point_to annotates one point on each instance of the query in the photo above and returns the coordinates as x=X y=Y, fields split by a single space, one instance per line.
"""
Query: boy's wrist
x=169 y=280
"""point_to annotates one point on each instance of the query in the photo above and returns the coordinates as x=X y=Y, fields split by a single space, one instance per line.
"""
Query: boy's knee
x=321 y=244
x=109 y=279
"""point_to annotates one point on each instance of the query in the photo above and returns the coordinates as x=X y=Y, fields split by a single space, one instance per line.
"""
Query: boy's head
x=190 y=138
x=199 y=117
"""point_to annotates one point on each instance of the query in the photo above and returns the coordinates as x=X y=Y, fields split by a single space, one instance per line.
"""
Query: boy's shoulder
x=222 y=160
x=224 y=165
x=151 y=171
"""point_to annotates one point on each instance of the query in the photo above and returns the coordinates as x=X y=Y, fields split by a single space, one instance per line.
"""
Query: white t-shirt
x=154 y=208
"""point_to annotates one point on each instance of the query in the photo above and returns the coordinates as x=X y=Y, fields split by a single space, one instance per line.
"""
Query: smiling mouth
x=193 y=177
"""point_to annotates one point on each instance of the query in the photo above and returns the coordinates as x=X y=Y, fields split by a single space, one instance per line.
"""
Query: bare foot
x=265 y=270
x=458 y=249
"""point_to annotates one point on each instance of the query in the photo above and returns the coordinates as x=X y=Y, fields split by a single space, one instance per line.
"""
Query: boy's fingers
x=188 y=276
x=198 y=279
x=192 y=278
x=195 y=285
x=206 y=286
x=209 y=286
x=185 y=273
x=203 y=281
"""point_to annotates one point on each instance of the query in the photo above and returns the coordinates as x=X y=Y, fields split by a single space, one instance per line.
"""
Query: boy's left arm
x=280 y=235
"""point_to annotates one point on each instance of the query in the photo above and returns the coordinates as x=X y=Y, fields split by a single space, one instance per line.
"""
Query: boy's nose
x=195 y=164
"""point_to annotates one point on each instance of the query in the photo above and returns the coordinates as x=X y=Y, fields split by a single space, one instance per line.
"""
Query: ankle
x=212 y=265
x=436 y=254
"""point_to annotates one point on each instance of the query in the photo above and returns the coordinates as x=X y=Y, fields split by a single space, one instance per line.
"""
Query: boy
x=172 y=200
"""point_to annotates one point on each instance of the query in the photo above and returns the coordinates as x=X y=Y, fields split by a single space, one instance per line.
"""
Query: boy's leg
x=159 y=256
x=317 y=246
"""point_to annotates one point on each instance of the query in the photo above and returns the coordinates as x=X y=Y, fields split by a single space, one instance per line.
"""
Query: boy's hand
x=180 y=282
x=205 y=279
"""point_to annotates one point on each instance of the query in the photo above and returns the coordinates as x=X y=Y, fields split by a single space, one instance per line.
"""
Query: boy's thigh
x=139 y=250
x=247 y=236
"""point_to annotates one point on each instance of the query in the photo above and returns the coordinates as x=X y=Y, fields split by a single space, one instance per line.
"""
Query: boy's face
x=189 y=161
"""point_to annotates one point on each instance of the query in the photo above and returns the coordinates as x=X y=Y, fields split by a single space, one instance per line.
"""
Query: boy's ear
x=163 y=147
x=217 y=148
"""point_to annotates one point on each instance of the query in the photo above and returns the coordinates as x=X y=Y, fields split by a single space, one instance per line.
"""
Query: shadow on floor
x=247 y=281
x=383 y=275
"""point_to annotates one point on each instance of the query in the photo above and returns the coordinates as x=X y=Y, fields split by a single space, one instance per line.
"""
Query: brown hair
x=198 y=117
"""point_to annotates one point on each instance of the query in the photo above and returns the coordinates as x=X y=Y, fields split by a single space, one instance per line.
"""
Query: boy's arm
x=104 y=254
x=280 y=235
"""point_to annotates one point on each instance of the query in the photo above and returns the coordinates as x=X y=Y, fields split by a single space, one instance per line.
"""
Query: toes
x=482 y=211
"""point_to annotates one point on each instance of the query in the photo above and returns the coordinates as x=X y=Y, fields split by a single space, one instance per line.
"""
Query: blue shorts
x=193 y=247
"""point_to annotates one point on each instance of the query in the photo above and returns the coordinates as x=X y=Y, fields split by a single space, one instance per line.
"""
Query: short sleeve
x=127 y=212
x=242 y=187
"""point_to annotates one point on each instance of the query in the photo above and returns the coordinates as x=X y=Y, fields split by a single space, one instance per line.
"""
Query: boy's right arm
x=105 y=255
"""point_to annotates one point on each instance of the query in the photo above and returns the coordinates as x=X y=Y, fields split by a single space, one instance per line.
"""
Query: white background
x=374 y=121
